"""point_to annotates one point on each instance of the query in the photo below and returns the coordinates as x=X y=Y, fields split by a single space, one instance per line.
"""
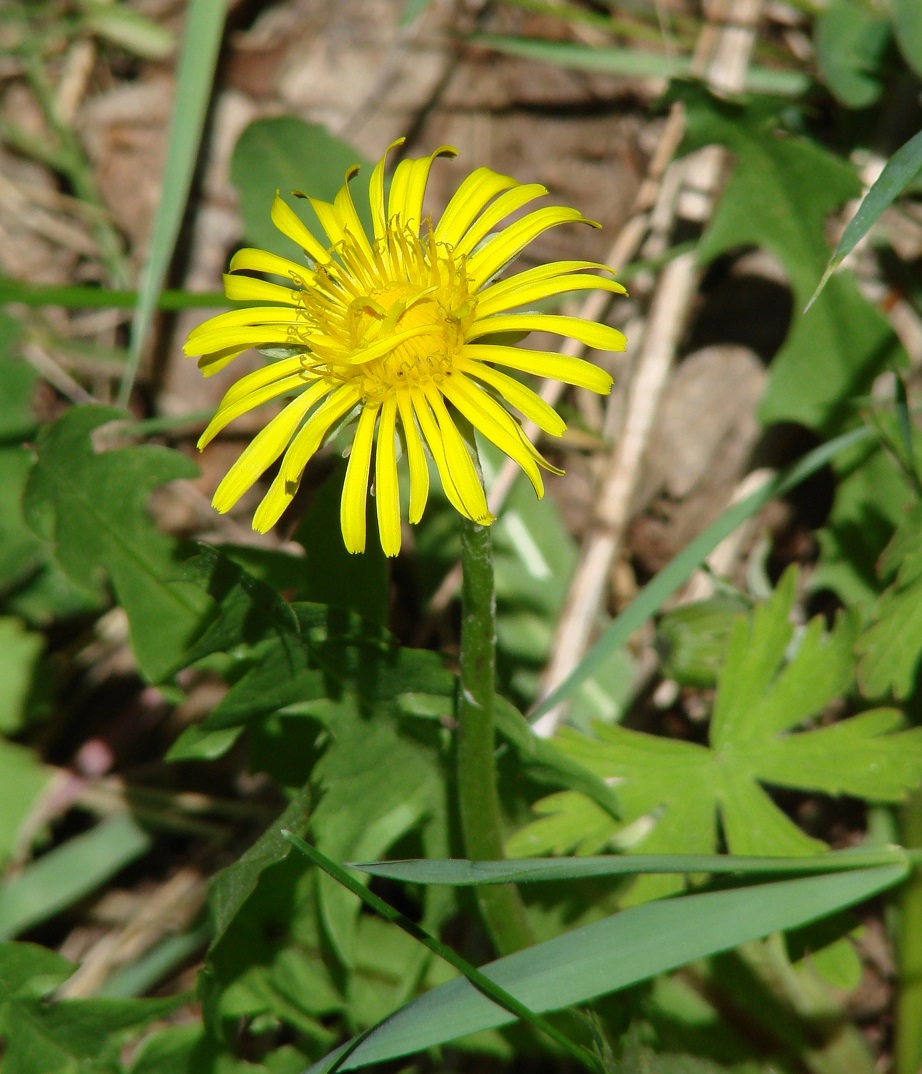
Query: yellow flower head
x=392 y=328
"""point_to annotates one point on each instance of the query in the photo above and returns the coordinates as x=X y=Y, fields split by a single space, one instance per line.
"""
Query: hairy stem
x=501 y=907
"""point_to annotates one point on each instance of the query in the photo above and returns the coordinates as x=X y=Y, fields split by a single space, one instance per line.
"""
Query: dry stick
x=668 y=314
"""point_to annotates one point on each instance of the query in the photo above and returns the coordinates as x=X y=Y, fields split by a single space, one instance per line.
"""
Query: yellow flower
x=390 y=329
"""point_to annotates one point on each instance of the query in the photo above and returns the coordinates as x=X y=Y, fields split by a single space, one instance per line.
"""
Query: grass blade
x=483 y=985
x=615 y=953
x=69 y=872
x=201 y=44
x=461 y=873
x=900 y=170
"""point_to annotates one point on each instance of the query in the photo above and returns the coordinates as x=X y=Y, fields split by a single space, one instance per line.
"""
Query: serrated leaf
x=92 y=509
x=778 y=199
x=766 y=693
x=890 y=650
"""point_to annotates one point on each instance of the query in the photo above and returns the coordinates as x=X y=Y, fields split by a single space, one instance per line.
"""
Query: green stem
x=501 y=907
x=908 y=1049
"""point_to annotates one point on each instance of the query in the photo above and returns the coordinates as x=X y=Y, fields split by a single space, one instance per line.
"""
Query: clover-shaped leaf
x=681 y=796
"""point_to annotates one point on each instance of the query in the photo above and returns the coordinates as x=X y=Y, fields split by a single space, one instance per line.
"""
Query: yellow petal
x=309 y=439
x=499 y=250
x=291 y=225
x=408 y=187
x=387 y=494
x=433 y=437
x=458 y=461
x=528 y=293
x=237 y=319
x=544 y=364
x=261 y=452
x=264 y=375
x=228 y=412
x=355 y=487
x=476 y=191
x=495 y=212
x=285 y=486
x=246 y=289
x=207 y=342
x=516 y=394
x=214 y=361
x=538 y=273
x=251 y=260
x=376 y=193
x=416 y=459
x=599 y=336
x=486 y=415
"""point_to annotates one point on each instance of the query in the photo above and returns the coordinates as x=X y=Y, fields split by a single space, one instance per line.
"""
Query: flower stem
x=501 y=906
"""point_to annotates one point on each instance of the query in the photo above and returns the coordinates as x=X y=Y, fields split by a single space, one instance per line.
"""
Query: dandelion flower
x=399 y=330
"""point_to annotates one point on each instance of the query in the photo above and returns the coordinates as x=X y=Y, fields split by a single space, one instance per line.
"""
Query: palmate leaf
x=778 y=198
x=91 y=507
x=674 y=793
x=890 y=650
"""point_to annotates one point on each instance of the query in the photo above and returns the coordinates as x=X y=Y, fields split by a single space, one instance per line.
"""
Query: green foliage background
x=348 y=733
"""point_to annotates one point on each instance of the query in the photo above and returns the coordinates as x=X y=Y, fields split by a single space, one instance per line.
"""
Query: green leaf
x=890 y=650
x=69 y=872
x=28 y=971
x=74 y=1035
x=231 y=888
x=20 y=651
x=870 y=500
x=907 y=25
x=285 y=154
x=91 y=507
x=578 y=966
x=130 y=29
x=850 y=42
x=22 y=782
x=188 y=1049
x=900 y=170
x=672 y=792
x=778 y=198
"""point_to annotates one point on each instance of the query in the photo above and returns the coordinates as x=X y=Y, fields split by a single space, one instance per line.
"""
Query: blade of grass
x=482 y=984
x=632 y=62
x=899 y=171
x=652 y=597
x=77 y=297
x=200 y=48
x=69 y=872
x=459 y=872
x=614 y=953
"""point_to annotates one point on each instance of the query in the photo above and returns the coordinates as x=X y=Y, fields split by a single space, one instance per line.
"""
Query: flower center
x=395 y=323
